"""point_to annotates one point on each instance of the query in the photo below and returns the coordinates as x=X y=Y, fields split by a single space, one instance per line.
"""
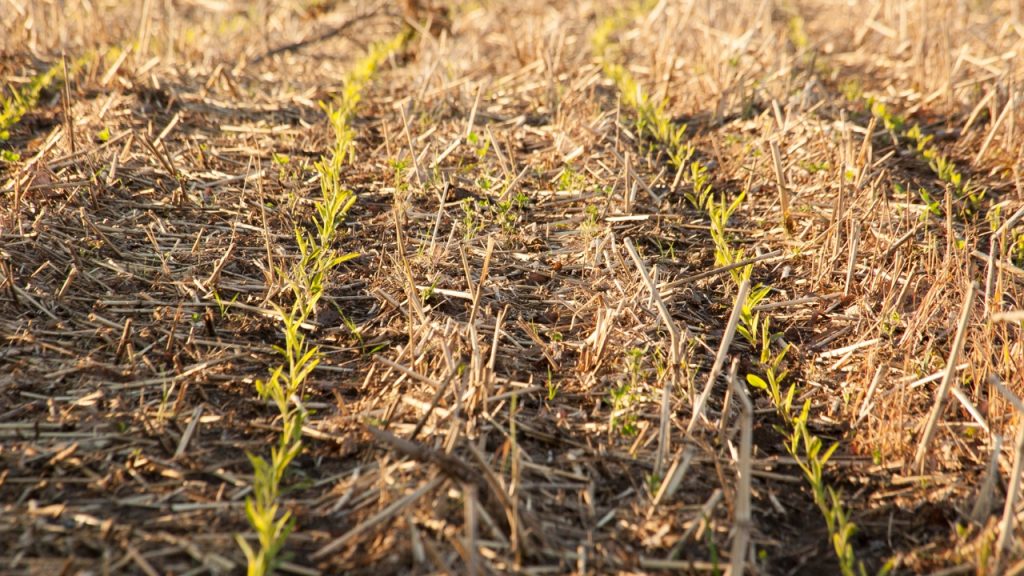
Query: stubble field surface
x=623 y=287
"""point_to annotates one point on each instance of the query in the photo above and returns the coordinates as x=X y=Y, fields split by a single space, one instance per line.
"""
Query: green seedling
x=797 y=34
x=725 y=255
x=750 y=320
x=625 y=396
x=480 y=145
x=551 y=386
x=590 y=221
x=570 y=181
x=968 y=197
x=471 y=217
x=653 y=483
x=1015 y=250
x=700 y=196
x=804 y=446
x=623 y=417
x=772 y=383
x=652 y=122
x=20 y=102
x=306 y=280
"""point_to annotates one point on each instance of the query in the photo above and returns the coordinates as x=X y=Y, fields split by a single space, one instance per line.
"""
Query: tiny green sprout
x=398 y=165
x=280 y=159
x=551 y=385
x=654 y=482
x=914 y=134
x=427 y=293
x=934 y=206
x=814 y=167
x=103 y=135
x=851 y=90
x=481 y=145
x=712 y=551
x=700 y=196
x=506 y=213
x=1016 y=247
x=634 y=362
x=891 y=323
x=994 y=217
x=471 y=221
x=9 y=156
x=797 y=33
x=593 y=213
x=623 y=400
x=570 y=180
x=352 y=328
x=667 y=249
x=223 y=306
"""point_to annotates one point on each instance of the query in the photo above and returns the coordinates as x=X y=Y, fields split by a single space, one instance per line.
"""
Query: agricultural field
x=485 y=287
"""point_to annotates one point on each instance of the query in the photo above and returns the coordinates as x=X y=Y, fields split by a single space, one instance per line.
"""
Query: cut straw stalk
x=723 y=349
x=741 y=514
x=1013 y=491
x=851 y=262
x=1011 y=316
x=780 y=178
x=984 y=503
x=1010 y=508
x=942 y=395
x=674 y=357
